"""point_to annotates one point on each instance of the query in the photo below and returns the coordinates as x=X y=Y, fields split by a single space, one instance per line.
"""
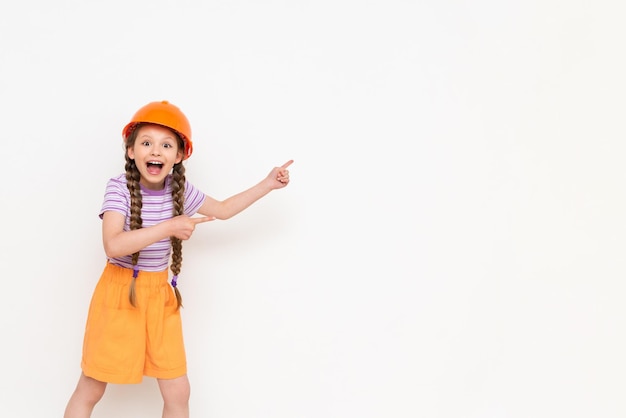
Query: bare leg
x=175 y=394
x=86 y=395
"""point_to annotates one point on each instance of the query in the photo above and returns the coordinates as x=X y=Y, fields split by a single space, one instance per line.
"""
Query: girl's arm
x=118 y=242
x=276 y=179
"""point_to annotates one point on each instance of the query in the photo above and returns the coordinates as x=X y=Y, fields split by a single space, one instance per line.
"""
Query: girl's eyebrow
x=171 y=138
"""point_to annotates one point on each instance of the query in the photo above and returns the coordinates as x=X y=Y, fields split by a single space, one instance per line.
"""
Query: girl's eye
x=167 y=145
x=145 y=143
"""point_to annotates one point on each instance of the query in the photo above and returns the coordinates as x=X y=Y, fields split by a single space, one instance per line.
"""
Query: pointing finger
x=202 y=219
x=287 y=164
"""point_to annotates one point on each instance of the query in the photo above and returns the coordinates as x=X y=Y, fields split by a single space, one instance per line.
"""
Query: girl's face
x=155 y=152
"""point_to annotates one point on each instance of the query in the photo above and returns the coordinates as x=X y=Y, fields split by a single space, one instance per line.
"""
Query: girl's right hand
x=182 y=226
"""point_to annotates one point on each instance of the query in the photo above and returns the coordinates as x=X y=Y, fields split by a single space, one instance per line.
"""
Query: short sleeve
x=116 y=197
x=194 y=198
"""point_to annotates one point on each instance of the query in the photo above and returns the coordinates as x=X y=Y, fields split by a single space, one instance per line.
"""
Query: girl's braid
x=178 y=198
x=132 y=180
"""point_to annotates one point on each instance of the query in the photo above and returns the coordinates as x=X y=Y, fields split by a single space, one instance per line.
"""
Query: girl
x=133 y=325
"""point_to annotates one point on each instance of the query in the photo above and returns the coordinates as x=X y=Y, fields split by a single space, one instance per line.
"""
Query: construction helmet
x=166 y=114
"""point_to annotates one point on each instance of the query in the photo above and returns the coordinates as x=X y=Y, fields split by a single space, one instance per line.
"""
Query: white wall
x=452 y=241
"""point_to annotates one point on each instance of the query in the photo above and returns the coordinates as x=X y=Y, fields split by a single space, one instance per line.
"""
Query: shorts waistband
x=123 y=275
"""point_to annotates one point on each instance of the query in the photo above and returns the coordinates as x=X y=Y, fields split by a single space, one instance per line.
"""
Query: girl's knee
x=91 y=390
x=175 y=391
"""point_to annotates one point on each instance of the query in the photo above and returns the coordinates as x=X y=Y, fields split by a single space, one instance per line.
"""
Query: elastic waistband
x=123 y=275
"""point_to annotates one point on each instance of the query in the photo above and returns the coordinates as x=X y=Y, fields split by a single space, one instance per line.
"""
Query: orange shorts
x=124 y=343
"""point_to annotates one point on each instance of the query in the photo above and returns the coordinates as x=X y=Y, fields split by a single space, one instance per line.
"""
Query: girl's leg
x=175 y=394
x=86 y=395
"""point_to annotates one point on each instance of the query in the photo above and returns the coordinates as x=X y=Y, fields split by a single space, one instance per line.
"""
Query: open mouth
x=154 y=167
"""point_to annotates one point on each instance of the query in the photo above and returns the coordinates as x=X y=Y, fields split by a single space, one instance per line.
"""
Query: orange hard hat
x=166 y=114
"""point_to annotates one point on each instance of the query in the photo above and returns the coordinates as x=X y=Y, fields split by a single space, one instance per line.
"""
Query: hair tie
x=135 y=273
x=174 y=281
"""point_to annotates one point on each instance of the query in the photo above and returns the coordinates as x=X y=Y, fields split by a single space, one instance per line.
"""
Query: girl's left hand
x=280 y=175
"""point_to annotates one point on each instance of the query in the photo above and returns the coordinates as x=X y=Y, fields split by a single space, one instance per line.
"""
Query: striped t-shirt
x=157 y=207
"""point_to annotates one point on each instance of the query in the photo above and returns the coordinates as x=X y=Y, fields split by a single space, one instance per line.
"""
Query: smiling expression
x=155 y=151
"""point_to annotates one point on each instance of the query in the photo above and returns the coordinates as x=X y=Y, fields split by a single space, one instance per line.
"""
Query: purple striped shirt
x=157 y=207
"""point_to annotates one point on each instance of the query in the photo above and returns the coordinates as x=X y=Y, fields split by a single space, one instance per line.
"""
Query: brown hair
x=178 y=198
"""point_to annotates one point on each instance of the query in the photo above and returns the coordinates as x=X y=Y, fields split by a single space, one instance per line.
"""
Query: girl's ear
x=130 y=152
x=179 y=156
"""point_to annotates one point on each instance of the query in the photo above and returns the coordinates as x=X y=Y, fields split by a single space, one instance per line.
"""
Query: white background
x=452 y=241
